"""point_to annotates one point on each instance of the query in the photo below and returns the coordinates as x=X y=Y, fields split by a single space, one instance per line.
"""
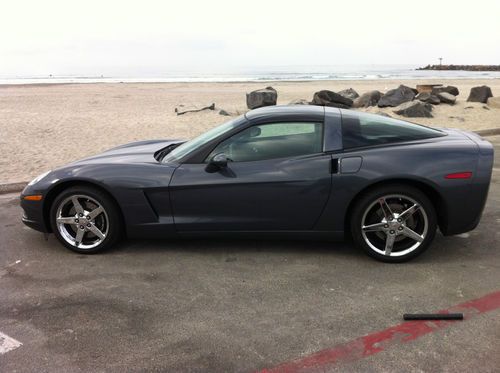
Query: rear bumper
x=456 y=223
x=465 y=203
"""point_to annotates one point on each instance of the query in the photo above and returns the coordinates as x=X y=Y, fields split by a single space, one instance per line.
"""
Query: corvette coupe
x=285 y=171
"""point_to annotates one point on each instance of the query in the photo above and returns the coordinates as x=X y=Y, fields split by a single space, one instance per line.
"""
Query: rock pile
x=415 y=109
x=448 y=89
x=349 y=93
x=330 y=98
x=407 y=101
x=367 y=99
x=447 y=98
x=428 y=97
x=396 y=97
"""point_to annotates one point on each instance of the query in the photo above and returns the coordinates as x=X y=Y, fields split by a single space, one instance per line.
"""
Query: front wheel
x=85 y=220
x=393 y=223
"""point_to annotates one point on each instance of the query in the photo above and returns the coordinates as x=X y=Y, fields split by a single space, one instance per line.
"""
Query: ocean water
x=257 y=74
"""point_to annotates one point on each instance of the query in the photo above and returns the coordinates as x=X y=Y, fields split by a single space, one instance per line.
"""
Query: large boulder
x=262 y=97
x=494 y=102
x=349 y=93
x=415 y=109
x=396 y=97
x=367 y=99
x=452 y=90
x=428 y=97
x=447 y=98
x=329 y=98
x=480 y=94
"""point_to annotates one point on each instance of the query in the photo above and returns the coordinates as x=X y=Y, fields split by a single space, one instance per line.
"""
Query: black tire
x=114 y=225
x=370 y=198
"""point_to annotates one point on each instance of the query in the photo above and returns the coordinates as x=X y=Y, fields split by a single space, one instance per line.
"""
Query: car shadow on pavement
x=443 y=250
x=223 y=246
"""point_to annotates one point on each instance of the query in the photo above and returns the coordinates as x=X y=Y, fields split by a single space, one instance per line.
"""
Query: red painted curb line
x=379 y=341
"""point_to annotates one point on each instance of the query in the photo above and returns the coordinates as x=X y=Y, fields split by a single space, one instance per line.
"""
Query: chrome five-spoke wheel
x=393 y=223
x=85 y=219
x=82 y=221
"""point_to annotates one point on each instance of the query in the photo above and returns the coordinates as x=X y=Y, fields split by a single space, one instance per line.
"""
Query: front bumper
x=33 y=215
x=36 y=225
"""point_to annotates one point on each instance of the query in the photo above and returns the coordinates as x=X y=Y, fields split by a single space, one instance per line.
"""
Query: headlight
x=38 y=178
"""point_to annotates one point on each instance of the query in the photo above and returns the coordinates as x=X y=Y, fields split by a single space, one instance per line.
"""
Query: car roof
x=289 y=112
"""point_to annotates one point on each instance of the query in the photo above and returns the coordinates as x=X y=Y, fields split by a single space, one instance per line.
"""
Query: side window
x=362 y=129
x=272 y=140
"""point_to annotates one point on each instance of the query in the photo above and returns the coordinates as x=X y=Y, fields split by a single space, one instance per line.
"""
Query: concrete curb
x=18 y=187
x=488 y=132
x=12 y=187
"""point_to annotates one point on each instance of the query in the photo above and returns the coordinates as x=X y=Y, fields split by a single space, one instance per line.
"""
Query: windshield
x=187 y=147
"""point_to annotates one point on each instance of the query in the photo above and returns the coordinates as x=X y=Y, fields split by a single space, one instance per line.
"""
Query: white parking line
x=7 y=343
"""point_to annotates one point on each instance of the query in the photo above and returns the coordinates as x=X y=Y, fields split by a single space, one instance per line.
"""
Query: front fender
x=127 y=184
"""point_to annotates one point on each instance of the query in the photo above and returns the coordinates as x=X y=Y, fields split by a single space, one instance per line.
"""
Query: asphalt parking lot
x=230 y=306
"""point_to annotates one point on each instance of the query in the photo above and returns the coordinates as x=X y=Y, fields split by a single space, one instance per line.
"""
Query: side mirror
x=255 y=131
x=218 y=161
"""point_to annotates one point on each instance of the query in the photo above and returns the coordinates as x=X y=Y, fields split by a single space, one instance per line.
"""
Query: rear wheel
x=393 y=223
x=85 y=220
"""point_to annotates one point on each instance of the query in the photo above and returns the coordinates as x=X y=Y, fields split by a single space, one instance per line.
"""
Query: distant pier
x=462 y=67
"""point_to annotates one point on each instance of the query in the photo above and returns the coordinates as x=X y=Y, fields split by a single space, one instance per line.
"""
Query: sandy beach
x=45 y=126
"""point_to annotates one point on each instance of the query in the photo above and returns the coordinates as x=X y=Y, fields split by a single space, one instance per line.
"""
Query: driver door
x=277 y=178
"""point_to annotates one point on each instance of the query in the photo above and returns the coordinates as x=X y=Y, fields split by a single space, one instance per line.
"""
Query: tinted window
x=274 y=140
x=362 y=129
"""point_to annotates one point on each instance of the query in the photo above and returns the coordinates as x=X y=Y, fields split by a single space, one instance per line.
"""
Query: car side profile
x=307 y=172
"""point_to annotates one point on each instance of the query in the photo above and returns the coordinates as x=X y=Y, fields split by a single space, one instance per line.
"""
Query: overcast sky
x=123 y=37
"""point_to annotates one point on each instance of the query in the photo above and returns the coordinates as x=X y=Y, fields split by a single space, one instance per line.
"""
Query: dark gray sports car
x=287 y=171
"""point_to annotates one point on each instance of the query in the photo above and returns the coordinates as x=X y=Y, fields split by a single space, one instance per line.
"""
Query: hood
x=135 y=152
